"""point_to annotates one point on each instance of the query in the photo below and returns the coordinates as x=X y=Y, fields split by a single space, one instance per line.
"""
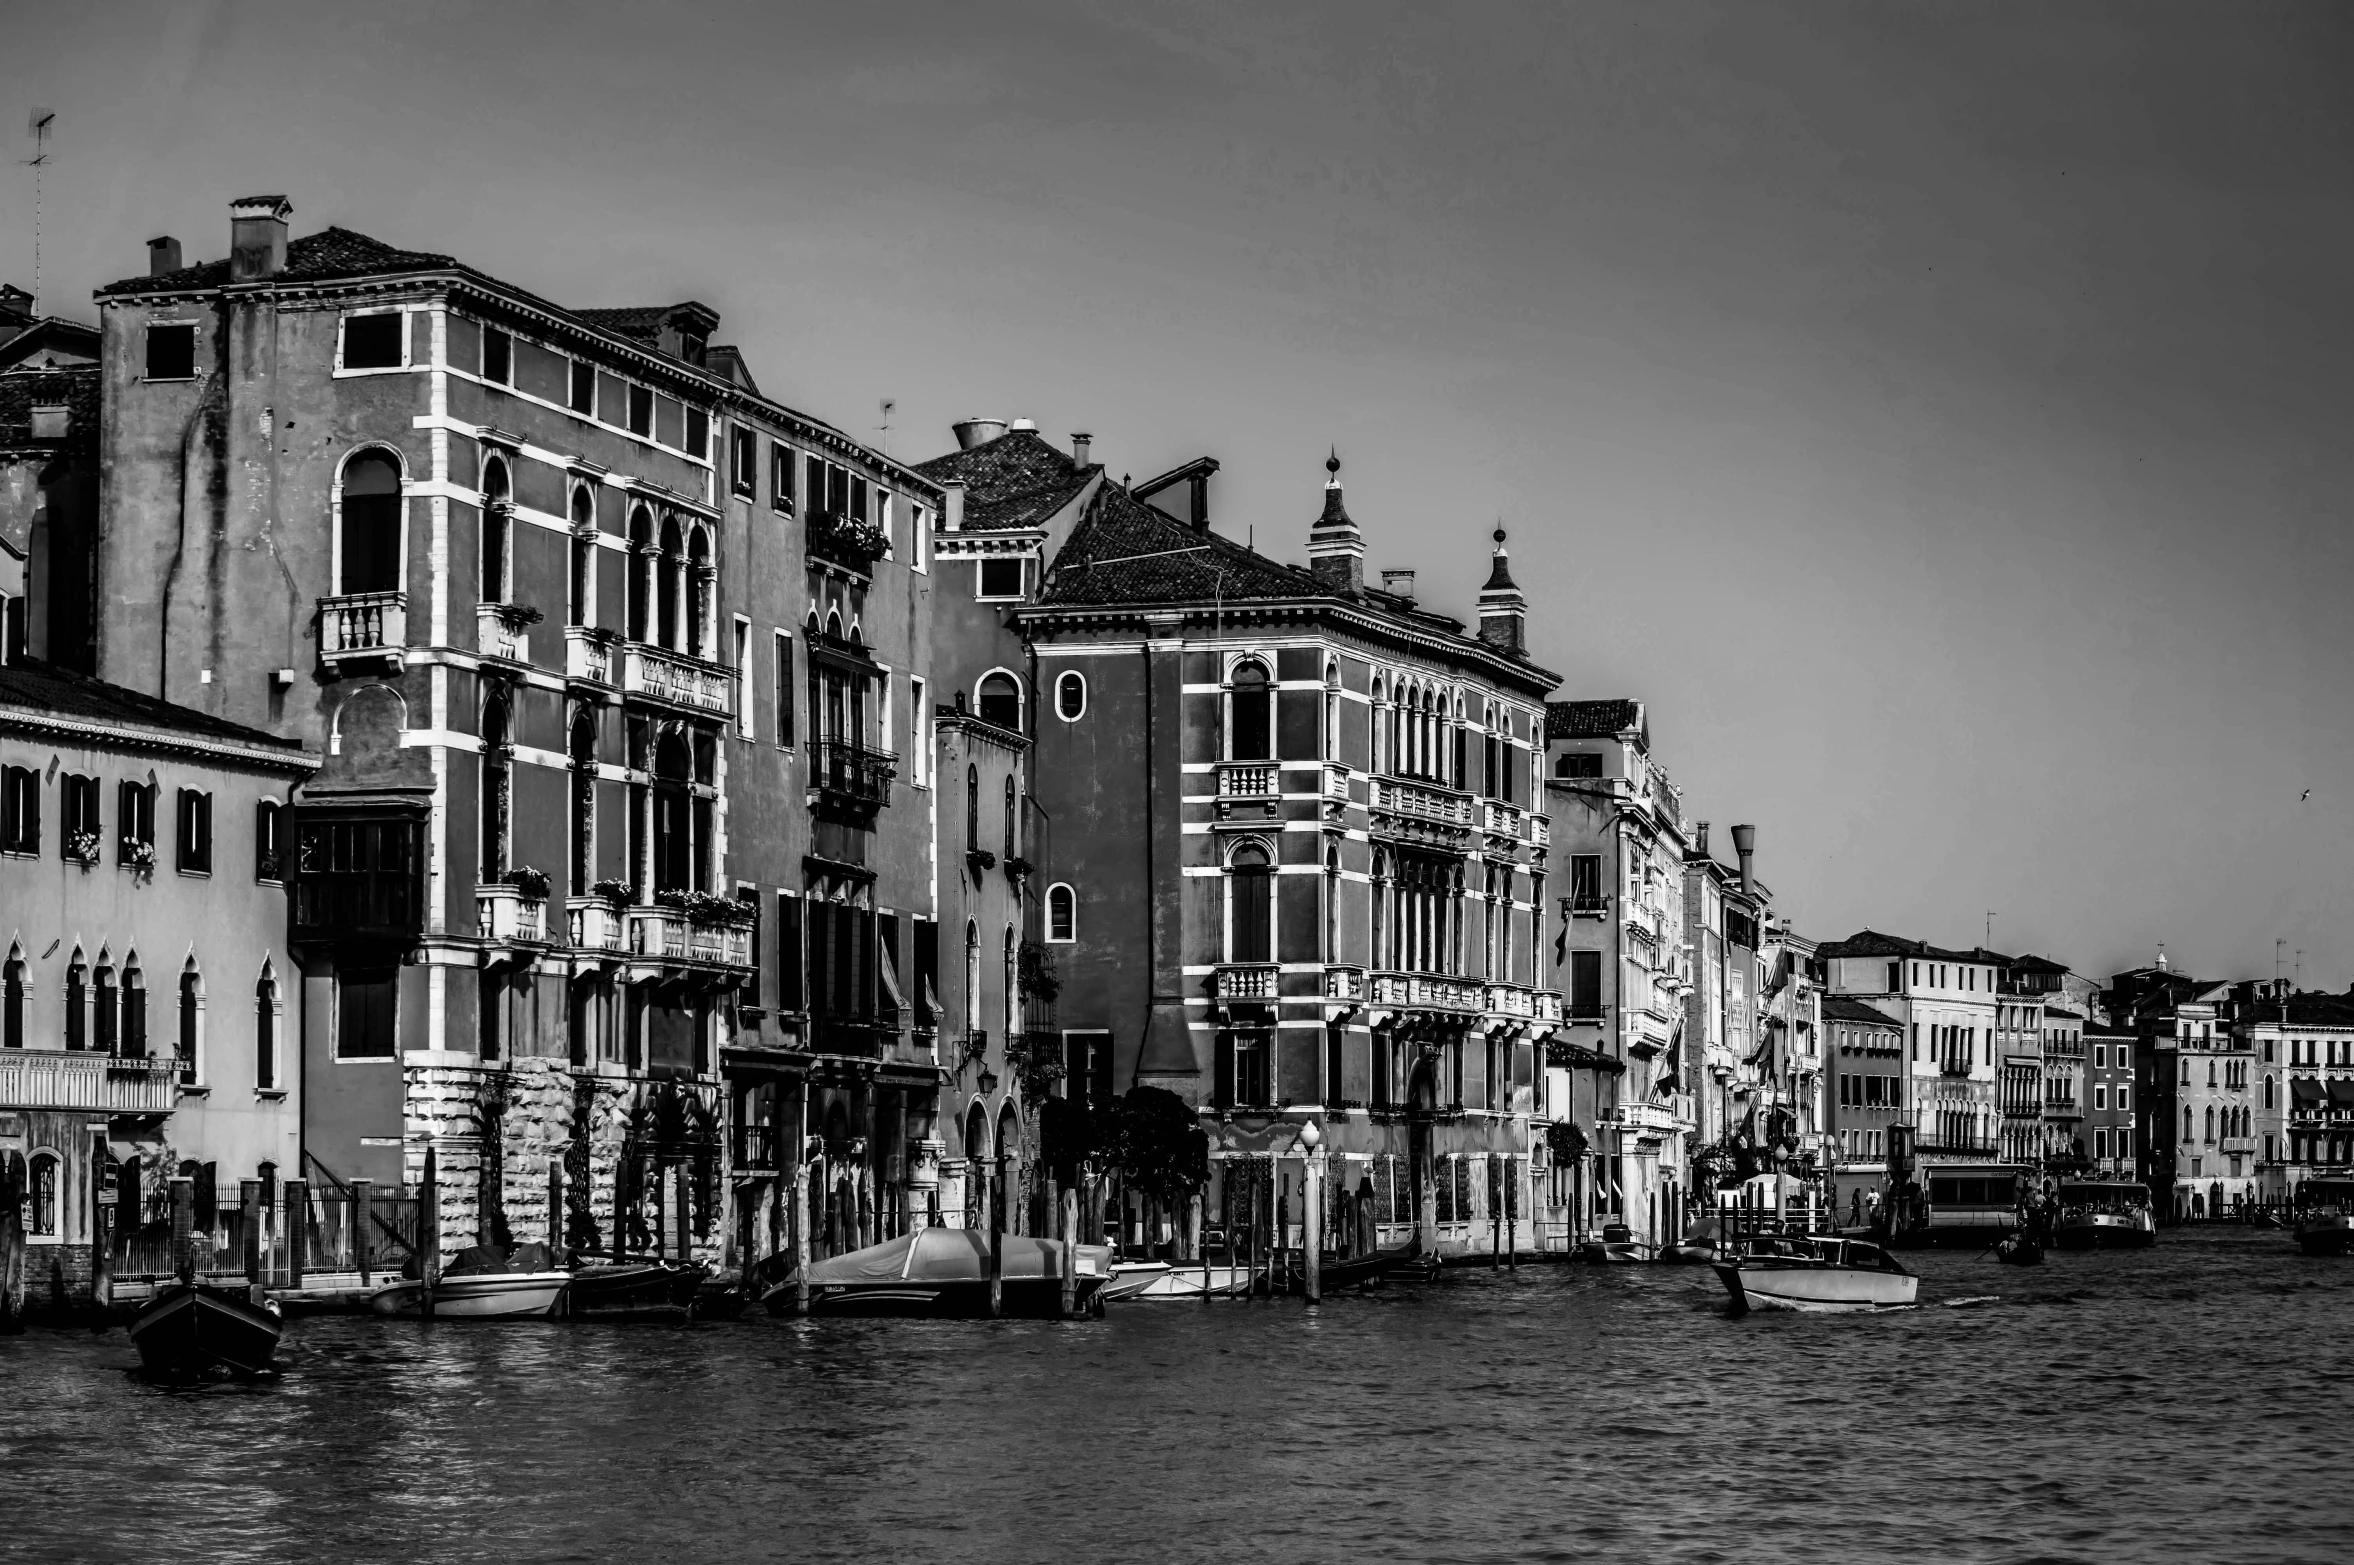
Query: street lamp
x=1312 y=1214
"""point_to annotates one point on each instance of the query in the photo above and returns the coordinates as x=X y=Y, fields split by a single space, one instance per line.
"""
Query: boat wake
x=1973 y=1301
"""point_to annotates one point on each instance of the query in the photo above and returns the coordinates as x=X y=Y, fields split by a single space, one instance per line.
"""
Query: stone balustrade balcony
x=677 y=678
x=504 y=913
x=1245 y=981
x=357 y=626
x=588 y=654
x=83 y=1079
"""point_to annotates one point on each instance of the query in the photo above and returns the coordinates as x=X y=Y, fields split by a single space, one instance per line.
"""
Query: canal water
x=2191 y=1402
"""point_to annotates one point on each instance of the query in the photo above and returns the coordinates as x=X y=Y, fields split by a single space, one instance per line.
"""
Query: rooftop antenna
x=39 y=126
x=1990 y=929
x=889 y=407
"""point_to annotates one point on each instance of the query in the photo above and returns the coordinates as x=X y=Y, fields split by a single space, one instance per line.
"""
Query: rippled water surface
x=2188 y=1403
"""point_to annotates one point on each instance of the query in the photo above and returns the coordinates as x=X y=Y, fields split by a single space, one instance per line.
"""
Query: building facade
x=1866 y=1053
x=1946 y=1002
x=2110 y=1129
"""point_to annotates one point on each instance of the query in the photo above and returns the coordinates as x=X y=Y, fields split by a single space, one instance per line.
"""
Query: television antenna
x=40 y=125
x=890 y=406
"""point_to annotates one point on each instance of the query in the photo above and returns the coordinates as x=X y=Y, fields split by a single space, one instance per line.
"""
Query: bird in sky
x=2302 y=797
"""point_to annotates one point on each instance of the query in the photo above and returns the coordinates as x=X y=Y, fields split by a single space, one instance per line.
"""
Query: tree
x=1157 y=1144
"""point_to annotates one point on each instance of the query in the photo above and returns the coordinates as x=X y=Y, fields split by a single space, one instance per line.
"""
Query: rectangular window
x=20 y=810
x=584 y=389
x=498 y=357
x=82 y=827
x=1585 y=882
x=267 y=864
x=743 y=461
x=196 y=832
x=781 y=466
x=1578 y=764
x=1000 y=578
x=789 y=982
x=2124 y=1097
x=744 y=698
x=135 y=823
x=753 y=992
x=171 y=352
x=919 y=748
x=919 y=522
x=698 y=436
x=366 y=1004
x=641 y=410
x=376 y=342
x=1585 y=983
x=2124 y=1140
x=784 y=689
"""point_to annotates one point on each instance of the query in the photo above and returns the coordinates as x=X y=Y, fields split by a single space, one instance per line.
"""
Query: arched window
x=641 y=574
x=106 y=1015
x=1332 y=711
x=972 y=977
x=1250 y=910
x=701 y=579
x=191 y=1036
x=77 y=1011
x=1013 y=993
x=670 y=585
x=1008 y=1137
x=583 y=755
x=134 y=1010
x=584 y=557
x=1070 y=695
x=268 y=852
x=999 y=699
x=2269 y=1084
x=265 y=1031
x=45 y=1170
x=1012 y=836
x=1332 y=904
x=368 y=547
x=1250 y=714
x=498 y=519
x=12 y=999
x=1062 y=913
x=497 y=778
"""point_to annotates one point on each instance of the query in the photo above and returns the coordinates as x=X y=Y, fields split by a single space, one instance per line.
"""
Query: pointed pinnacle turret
x=1503 y=611
x=1336 y=549
x=1500 y=575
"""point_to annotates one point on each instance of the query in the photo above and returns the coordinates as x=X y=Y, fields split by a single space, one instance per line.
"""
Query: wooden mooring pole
x=429 y=1233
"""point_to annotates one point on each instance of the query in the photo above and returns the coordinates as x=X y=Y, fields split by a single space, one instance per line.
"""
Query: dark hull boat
x=2019 y=1250
x=944 y=1272
x=633 y=1291
x=723 y=1296
x=188 y=1328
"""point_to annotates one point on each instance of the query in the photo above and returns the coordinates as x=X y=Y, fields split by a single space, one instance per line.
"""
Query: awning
x=2341 y=1092
x=2302 y=1090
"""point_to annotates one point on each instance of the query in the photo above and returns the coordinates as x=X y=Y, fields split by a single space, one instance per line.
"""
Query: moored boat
x=483 y=1285
x=1131 y=1278
x=1815 y=1273
x=2104 y=1214
x=1699 y=1245
x=2325 y=1216
x=1194 y=1281
x=945 y=1272
x=1618 y=1246
x=639 y=1290
x=189 y=1327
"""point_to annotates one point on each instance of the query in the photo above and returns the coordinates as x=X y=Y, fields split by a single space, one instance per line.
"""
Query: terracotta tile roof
x=44 y=689
x=2312 y=1010
x=329 y=254
x=1870 y=942
x=638 y=322
x=1591 y=719
x=1840 y=1008
x=75 y=389
x=1125 y=551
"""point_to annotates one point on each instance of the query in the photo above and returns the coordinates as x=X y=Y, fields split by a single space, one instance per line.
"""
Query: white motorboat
x=1815 y=1272
x=477 y=1296
x=1190 y=1281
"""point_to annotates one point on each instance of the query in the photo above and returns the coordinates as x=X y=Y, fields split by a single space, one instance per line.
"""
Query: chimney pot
x=1700 y=838
x=1401 y=583
x=952 y=507
x=1745 y=845
x=1081 y=445
x=973 y=432
x=257 y=237
x=163 y=255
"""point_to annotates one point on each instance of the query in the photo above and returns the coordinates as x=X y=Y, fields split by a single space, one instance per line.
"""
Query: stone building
x=1620 y=1074
x=147 y=993
x=1946 y=1001
x=48 y=483
x=602 y=884
x=2109 y=1128
x=1293 y=820
x=2195 y=1092
x=2303 y=1045
x=1866 y=1099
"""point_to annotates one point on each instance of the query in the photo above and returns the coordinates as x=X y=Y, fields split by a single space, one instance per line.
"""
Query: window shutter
x=788 y=951
x=1225 y=1073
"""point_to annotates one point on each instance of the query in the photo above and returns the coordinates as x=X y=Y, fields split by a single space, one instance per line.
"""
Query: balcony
x=850 y=1037
x=1957 y=1144
x=1254 y=981
x=1642 y=1118
x=362 y=627
x=504 y=913
x=1418 y=801
x=1250 y=786
x=1585 y=1011
x=1344 y=983
x=2242 y=1144
x=676 y=678
x=1336 y=781
x=1502 y=820
x=1640 y=918
x=1540 y=831
x=851 y=774
x=1953 y=1067
x=588 y=654
x=501 y=630
x=1512 y=1000
x=1427 y=992
x=754 y=1148
x=667 y=933
x=1587 y=906
x=593 y=924
x=102 y=1083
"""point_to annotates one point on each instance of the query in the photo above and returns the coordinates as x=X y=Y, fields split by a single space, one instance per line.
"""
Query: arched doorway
x=977 y=1165
x=1422 y=1101
x=1008 y=1137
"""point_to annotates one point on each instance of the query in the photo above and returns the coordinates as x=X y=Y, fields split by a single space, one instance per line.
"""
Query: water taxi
x=1974 y=1204
x=1815 y=1272
x=2325 y=1216
x=2105 y=1214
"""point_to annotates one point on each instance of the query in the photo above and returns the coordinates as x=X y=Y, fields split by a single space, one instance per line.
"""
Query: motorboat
x=2104 y=1214
x=480 y=1284
x=1814 y=1272
x=723 y=1295
x=643 y=1289
x=1130 y=1279
x=1194 y=1280
x=1618 y=1246
x=1699 y=1245
x=944 y=1272
x=189 y=1327
x=2325 y=1216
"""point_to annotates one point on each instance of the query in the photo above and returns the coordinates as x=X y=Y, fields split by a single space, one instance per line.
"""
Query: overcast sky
x=1939 y=415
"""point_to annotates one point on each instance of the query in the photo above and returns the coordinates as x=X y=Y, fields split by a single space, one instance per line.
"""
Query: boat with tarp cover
x=945 y=1272
x=2104 y=1214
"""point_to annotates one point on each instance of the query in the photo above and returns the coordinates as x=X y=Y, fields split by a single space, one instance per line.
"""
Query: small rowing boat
x=189 y=1327
x=639 y=1290
x=1816 y=1272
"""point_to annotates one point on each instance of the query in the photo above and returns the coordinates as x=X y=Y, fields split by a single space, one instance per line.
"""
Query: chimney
x=1503 y=612
x=257 y=237
x=1023 y=426
x=952 y=507
x=973 y=432
x=163 y=255
x=1745 y=844
x=1080 y=442
x=1399 y=584
x=1336 y=549
x=1700 y=839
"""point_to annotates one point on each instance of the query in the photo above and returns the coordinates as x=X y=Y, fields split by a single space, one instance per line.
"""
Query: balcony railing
x=588 y=654
x=499 y=631
x=1255 y=981
x=1540 y=831
x=2239 y=1143
x=1640 y=917
x=668 y=933
x=677 y=678
x=1422 y=801
x=593 y=923
x=1336 y=780
x=1503 y=820
x=504 y=913
x=1512 y=1000
x=1642 y=1117
x=1588 y=906
x=850 y=1037
x=1427 y=992
x=852 y=772
x=752 y=1148
x=1953 y=1142
x=363 y=625
x=1246 y=780
x=1585 y=1010
x=1953 y=1067
x=1344 y=983
x=108 y=1083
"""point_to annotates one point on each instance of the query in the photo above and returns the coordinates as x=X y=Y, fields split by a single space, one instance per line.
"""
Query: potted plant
x=529 y=883
x=82 y=847
x=138 y=853
x=1017 y=869
x=619 y=893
